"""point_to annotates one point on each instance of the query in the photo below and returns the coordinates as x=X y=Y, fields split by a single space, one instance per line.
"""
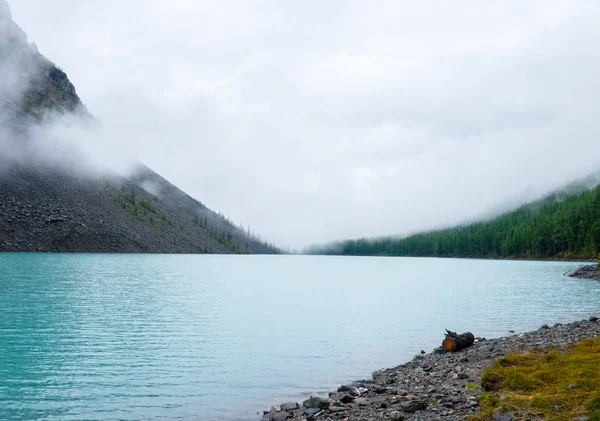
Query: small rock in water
x=593 y=318
x=545 y=326
x=422 y=351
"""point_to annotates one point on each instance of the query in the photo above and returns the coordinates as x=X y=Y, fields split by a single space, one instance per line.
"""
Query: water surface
x=147 y=337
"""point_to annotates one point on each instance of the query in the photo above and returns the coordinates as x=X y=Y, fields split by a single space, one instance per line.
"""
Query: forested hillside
x=557 y=226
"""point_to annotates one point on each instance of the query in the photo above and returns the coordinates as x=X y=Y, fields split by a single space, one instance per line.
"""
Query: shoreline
x=431 y=386
x=524 y=259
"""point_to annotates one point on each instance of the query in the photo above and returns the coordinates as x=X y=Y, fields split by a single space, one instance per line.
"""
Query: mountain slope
x=565 y=225
x=51 y=205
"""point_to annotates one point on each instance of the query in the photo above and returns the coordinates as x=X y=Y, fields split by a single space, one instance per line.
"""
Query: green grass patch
x=145 y=204
x=552 y=384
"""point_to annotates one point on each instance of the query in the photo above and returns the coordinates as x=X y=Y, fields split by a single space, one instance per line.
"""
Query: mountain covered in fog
x=562 y=225
x=51 y=201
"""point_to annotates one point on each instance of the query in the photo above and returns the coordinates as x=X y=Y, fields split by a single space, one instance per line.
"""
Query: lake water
x=155 y=337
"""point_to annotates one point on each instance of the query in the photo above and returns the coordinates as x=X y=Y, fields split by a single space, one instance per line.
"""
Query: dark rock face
x=45 y=209
x=30 y=82
x=585 y=272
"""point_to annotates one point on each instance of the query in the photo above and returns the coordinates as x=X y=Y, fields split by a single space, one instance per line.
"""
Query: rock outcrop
x=585 y=272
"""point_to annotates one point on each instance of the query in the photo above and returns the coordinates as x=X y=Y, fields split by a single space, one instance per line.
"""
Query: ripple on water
x=111 y=337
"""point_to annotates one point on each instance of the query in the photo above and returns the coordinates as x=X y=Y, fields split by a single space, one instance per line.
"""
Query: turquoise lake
x=160 y=337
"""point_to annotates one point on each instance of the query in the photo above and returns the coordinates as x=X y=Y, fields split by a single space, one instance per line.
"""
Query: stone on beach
x=289 y=406
x=316 y=402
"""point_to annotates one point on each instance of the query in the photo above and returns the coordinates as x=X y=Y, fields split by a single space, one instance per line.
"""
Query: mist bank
x=563 y=225
x=69 y=185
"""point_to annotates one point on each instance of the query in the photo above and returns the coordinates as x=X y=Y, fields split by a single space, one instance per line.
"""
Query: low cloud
x=312 y=122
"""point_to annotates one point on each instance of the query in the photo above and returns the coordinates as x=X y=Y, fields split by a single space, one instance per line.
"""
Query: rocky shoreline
x=585 y=272
x=432 y=386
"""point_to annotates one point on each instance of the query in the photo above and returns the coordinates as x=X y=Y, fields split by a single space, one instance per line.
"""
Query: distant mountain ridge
x=45 y=206
x=564 y=224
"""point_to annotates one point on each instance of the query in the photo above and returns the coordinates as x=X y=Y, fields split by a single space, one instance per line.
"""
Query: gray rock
x=281 y=416
x=311 y=411
x=289 y=406
x=413 y=406
x=347 y=399
x=572 y=386
x=585 y=272
x=396 y=416
x=316 y=402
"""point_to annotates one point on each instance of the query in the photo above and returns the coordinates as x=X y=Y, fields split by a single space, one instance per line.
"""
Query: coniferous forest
x=558 y=226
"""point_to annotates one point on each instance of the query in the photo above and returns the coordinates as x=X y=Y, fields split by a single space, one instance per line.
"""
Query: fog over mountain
x=312 y=121
x=67 y=186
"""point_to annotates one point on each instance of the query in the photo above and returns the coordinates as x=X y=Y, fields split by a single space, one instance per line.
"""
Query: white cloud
x=312 y=121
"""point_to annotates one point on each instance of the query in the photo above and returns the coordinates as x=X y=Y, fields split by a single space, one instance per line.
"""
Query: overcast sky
x=319 y=120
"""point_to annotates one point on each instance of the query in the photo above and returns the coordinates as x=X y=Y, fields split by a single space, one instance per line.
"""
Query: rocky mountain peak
x=30 y=84
x=11 y=34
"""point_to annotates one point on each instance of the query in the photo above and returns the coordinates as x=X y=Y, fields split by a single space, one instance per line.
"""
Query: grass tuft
x=558 y=385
